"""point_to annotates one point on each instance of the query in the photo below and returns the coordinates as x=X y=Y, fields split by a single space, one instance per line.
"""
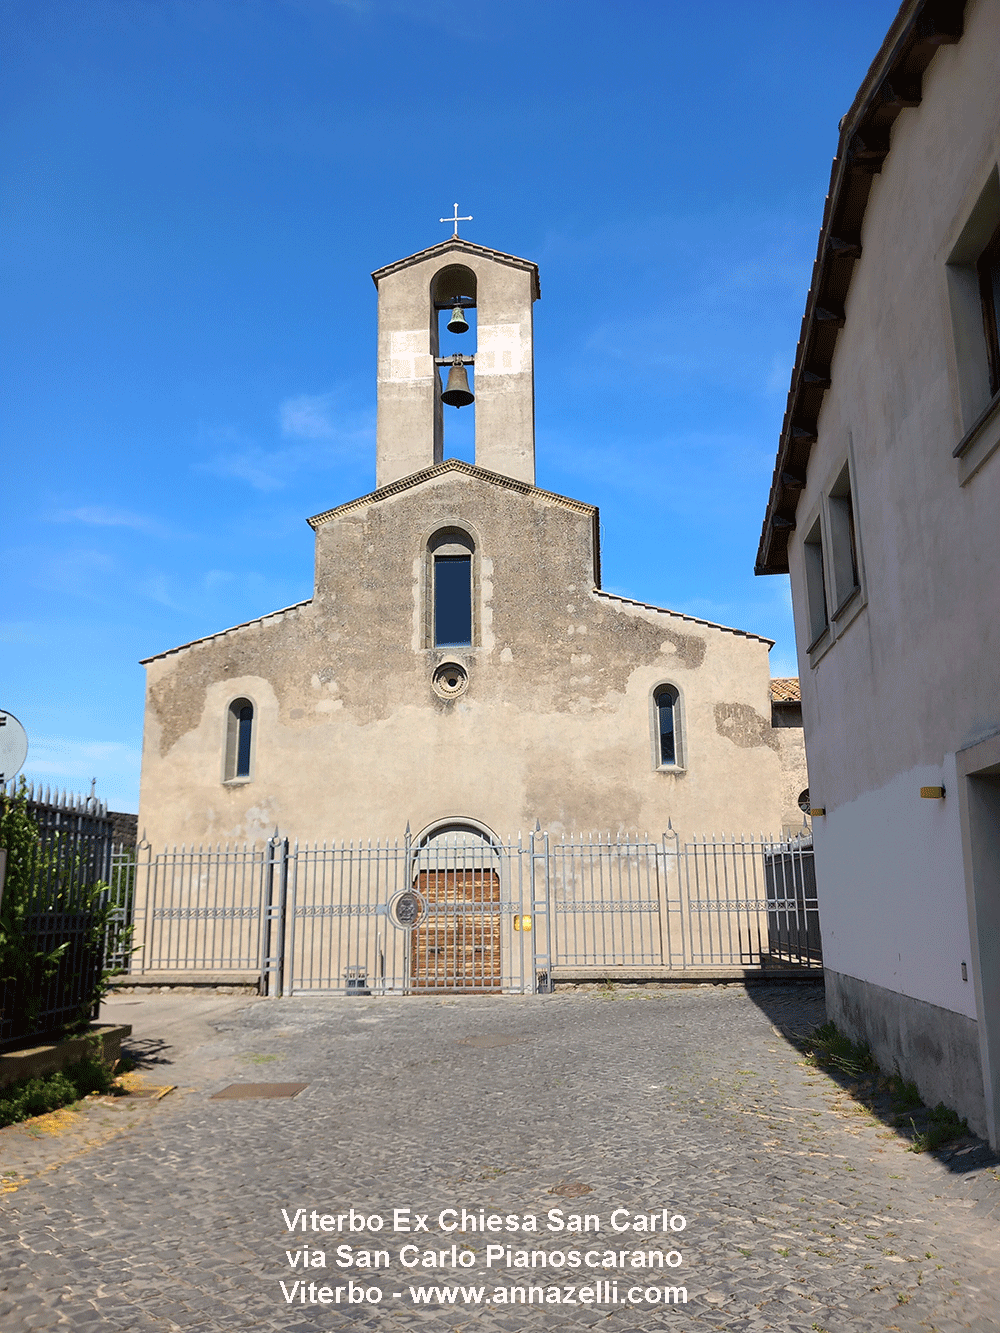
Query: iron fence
x=464 y=912
x=54 y=917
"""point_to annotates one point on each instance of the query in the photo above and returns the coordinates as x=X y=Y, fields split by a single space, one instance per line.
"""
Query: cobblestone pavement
x=802 y=1212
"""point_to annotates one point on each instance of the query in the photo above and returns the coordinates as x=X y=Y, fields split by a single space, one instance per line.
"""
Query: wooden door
x=456 y=945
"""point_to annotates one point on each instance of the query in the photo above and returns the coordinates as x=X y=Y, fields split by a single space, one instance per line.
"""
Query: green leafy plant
x=47 y=881
x=943 y=1126
x=828 y=1046
x=35 y=1096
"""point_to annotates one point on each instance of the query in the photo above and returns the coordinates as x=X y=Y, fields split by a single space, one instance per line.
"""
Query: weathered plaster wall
x=409 y=429
x=556 y=725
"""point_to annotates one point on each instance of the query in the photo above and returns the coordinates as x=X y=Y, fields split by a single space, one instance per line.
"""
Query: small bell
x=458 y=323
x=457 y=392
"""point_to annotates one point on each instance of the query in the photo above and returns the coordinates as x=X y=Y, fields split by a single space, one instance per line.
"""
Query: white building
x=885 y=509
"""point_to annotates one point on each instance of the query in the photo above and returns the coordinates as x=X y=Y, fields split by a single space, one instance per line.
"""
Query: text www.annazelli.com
x=598 y=1293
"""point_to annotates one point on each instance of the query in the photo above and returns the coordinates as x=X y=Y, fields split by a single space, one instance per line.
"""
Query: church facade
x=458 y=663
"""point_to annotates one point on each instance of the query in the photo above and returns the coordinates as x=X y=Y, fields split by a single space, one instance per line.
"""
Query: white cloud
x=100 y=516
x=320 y=435
x=307 y=417
x=261 y=470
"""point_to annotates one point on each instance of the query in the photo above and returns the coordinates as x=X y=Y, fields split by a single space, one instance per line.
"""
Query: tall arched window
x=239 y=740
x=451 y=553
x=666 y=719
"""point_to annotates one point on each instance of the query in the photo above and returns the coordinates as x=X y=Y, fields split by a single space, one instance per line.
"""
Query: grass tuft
x=889 y=1096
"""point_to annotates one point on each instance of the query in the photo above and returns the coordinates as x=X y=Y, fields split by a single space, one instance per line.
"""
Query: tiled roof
x=786 y=690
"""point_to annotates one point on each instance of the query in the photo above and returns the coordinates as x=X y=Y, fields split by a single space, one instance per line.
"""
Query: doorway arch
x=456 y=944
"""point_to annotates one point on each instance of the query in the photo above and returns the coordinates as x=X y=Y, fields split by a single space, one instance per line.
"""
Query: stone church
x=458 y=662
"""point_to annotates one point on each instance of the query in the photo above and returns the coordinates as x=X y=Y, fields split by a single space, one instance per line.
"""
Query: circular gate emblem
x=408 y=909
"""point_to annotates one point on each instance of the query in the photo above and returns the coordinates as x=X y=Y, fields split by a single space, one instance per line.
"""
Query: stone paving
x=802 y=1212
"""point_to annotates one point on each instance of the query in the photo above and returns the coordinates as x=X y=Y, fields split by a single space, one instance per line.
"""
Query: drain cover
x=244 y=1092
x=571 y=1190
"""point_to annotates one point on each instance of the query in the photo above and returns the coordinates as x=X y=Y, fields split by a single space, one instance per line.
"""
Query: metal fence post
x=273 y=918
x=541 y=923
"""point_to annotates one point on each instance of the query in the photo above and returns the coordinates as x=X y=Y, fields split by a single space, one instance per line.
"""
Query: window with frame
x=239 y=740
x=815 y=572
x=988 y=272
x=451 y=579
x=666 y=726
x=973 y=272
x=843 y=543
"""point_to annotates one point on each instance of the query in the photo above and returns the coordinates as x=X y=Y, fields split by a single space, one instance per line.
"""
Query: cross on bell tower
x=455 y=275
x=456 y=219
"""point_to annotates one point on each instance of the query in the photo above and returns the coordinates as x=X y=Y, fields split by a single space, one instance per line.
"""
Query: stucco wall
x=912 y=677
x=556 y=725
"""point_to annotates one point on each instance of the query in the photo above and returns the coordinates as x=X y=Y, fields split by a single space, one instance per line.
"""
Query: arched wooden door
x=456 y=943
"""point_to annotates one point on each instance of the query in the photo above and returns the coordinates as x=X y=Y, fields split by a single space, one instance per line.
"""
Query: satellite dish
x=13 y=746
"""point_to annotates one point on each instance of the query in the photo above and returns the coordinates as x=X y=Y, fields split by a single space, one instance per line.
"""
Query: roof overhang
x=441 y=470
x=892 y=84
x=455 y=245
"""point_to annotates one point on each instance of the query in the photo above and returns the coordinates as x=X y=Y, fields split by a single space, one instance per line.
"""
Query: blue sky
x=197 y=192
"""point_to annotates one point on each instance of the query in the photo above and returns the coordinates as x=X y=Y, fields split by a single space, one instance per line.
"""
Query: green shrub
x=45 y=878
x=34 y=1096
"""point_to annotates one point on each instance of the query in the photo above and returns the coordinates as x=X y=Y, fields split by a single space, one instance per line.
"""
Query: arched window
x=666 y=720
x=451 y=553
x=239 y=740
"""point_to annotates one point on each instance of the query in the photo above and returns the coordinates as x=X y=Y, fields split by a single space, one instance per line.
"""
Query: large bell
x=457 y=392
x=458 y=323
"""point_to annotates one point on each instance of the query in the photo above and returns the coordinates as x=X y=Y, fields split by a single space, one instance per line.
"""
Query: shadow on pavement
x=797 y=1010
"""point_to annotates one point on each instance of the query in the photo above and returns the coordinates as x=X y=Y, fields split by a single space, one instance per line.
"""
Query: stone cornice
x=257 y=620
x=680 y=615
x=441 y=470
x=457 y=245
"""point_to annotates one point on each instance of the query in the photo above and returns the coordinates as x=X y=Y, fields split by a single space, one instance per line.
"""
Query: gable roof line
x=696 y=620
x=439 y=469
x=207 y=638
x=466 y=247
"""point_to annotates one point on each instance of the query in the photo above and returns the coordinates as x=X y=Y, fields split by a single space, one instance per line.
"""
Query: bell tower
x=455 y=276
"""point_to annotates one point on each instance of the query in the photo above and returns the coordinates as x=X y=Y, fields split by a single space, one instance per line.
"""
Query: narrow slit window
x=452 y=600
x=239 y=739
x=665 y=701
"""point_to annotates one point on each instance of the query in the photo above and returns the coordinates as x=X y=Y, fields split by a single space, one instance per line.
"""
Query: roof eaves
x=466 y=247
x=257 y=620
x=438 y=470
x=695 y=620
x=891 y=85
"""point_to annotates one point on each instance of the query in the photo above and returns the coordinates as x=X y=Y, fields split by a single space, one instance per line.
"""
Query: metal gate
x=457 y=912
x=461 y=911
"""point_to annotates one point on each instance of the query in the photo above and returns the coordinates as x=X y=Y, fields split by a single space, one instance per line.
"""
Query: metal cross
x=456 y=219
